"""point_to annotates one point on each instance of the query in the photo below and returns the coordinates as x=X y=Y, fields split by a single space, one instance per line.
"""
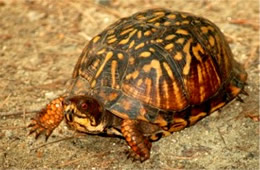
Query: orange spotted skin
x=48 y=119
x=139 y=144
x=153 y=73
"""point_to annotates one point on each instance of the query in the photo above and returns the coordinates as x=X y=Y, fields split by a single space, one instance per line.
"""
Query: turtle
x=146 y=76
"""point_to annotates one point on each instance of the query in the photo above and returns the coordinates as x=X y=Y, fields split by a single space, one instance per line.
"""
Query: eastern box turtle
x=147 y=76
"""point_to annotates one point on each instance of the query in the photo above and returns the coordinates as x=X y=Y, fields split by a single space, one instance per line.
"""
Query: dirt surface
x=40 y=42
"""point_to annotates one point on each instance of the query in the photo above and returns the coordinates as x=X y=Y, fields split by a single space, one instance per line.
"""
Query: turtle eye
x=84 y=106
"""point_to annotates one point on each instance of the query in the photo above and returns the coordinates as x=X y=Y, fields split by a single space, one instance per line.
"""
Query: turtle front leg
x=48 y=119
x=139 y=144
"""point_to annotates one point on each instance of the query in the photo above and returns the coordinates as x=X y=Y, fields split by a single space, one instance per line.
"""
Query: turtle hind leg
x=139 y=144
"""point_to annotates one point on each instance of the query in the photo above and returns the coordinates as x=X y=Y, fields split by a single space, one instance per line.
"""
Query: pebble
x=35 y=16
x=50 y=95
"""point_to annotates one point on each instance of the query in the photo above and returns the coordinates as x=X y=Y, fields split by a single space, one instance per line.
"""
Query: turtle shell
x=167 y=68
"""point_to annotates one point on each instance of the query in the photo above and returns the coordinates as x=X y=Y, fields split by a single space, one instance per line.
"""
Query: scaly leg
x=48 y=119
x=139 y=144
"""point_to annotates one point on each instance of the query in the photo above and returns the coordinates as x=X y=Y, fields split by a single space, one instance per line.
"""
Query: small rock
x=8 y=133
x=34 y=15
x=50 y=95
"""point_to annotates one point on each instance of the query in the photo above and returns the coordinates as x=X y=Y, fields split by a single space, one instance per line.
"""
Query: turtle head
x=84 y=113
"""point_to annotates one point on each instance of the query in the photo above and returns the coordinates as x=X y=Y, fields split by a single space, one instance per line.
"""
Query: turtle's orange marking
x=47 y=120
x=139 y=144
x=170 y=37
x=139 y=46
x=186 y=49
x=171 y=16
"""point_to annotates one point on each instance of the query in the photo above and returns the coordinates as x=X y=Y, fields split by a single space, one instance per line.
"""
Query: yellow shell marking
x=139 y=34
x=182 y=31
x=111 y=37
x=131 y=60
x=157 y=24
x=170 y=37
x=101 y=51
x=169 y=46
x=178 y=56
x=186 y=49
x=113 y=73
x=145 y=54
x=95 y=64
x=112 y=40
x=148 y=83
x=171 y=16
x=205 y=29
x=160 y=13
x=151 y=49
x=120 y=56
x=168 y=70
x=127 y=26
x=167 y=23
x=139 y=82
x=132 y=43
x=180 y=40
x=155 y=18
x=217 y=106
x=183 y=16
x=156 y=65
x=95 y=39
x=185 y=22
x=147 y=33
x=111 y=31
x=160 y=121
x=140 y=17
x=93 y=84
x=166 y=94
x=179 y=103
x=159 y=40
x=195 y=50
x=154 y=29
x=178 y=125
x=194 y=119
x=126 y=31
x=211 y=41
x=139 y=46
x=201 y=83
x=133 y=75
x=124 y=41
x=108 y=57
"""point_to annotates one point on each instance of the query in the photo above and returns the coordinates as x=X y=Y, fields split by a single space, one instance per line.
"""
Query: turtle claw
x=39 y=130
x=48 y=119
x=134 y=156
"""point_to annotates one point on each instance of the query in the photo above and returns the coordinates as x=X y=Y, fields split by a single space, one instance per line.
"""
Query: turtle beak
x=70 y=110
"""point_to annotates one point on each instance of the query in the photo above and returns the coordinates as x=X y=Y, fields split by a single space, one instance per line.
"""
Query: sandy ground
x=40 y=42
